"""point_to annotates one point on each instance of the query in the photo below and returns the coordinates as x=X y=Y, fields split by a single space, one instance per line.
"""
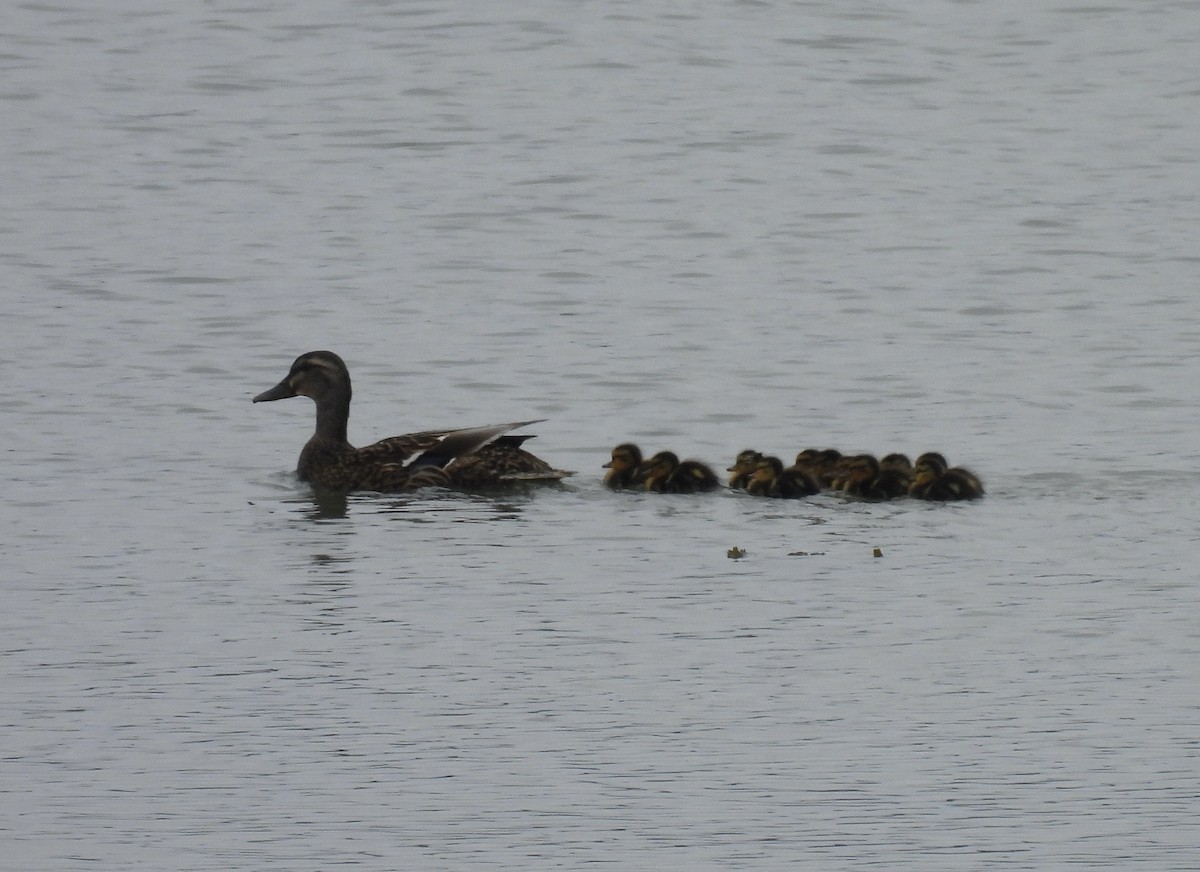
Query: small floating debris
x=878 y=552
x=735 y=553
x=806 y=554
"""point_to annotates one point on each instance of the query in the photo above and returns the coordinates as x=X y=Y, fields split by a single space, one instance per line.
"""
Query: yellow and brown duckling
x=770 y=479
x=932 y=480
x=666 y=473
x=625 y=468
x=743 y=468
x=477 y=457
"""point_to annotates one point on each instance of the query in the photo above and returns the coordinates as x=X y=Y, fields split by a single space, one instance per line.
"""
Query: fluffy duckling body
x=931 y=480
x=861 y=475
x=821 y=464
x=472 y=457
x=625 y=468
x=666 y=473
x=770 y=479
x=743 y=468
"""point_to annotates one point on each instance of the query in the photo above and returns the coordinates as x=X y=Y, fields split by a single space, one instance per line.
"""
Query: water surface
x=733 y=224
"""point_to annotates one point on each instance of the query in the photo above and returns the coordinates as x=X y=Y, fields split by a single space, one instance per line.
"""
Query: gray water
x=704 y=226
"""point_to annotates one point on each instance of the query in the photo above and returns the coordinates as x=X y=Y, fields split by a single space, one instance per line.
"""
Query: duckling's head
x=860 y=468
x=896 y=461
x=624 y=456
x=746 y=461
x=927 y=468
x=934 y=458
x=767 y=469
x=809 y=458
x=659 y=467
x=317 y=374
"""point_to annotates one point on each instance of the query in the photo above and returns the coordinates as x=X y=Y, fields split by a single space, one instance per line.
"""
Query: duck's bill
x=281 y=391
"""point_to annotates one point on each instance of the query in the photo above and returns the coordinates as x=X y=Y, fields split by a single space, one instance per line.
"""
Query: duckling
x=890 y=483
x=819 y=463
x=857 y=472
x=897 y=461
x=624 y=470
x=931 y=480
x=330 y=462
x=770 y=479
x=666 y=473
x=743 y=468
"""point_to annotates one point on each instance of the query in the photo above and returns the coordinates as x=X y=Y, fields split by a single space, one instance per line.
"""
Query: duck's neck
x=332 y=415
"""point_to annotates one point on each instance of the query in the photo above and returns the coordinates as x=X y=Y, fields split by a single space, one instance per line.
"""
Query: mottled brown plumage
x=770 y=479
x=665 y=473
x=743 y=468
x=625 y=468
x=470 y=458
x=931 y=480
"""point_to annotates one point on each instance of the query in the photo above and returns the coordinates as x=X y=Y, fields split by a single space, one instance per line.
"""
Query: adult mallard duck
x=624 y=469
x=469 y=458
x=666 y=473
x=770 y=479
x=743 y=468
x=931 y=480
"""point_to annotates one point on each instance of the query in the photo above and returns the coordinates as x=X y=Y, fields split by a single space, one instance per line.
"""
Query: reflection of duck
x=474 y=457
x=770 y=479
x=624 y=470
x=666 y=473
x=743 y=467
x=931 y=480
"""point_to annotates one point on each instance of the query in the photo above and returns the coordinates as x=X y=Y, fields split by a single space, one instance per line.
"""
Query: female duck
x=475 y=457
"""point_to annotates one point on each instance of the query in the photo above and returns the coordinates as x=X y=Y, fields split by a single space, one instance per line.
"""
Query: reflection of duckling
x=770 y=479
x=743 y=467
x=933 y=481
x=665 y=473
x=624 y=468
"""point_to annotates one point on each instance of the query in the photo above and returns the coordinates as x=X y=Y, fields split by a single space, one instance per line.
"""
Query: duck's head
x=896 y=461
x=927 y=468
x=660 y=466
x=860 y=468
x=934 y=458
x=746 y=461
x=624 y=456
x=317 y=374
x=767 y=469
x=809 y=458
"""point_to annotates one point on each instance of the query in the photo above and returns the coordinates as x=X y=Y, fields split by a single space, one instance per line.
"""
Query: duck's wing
x=436 y=447
x=501 y=462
